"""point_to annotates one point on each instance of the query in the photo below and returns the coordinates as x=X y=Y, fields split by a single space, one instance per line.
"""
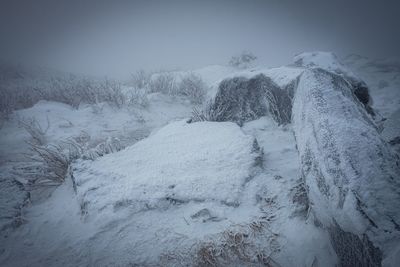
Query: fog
x=116 y=38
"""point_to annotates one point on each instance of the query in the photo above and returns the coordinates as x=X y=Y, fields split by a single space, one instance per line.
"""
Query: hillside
x=219 y=166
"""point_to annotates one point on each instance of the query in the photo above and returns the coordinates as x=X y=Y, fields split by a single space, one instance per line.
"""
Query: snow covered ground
x=94 y=123
x=184 y=194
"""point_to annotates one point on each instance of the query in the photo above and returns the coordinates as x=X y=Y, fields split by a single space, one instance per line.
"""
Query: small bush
x=141 y=79
x=137 y=97
x=52 y=162
x=68 y=89
x=162 y=83
x=74 y=91
x=193 y=87
x=244 y=60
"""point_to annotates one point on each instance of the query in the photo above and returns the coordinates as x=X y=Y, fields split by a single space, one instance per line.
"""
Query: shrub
x=74 y=91
x=137 y=96
x=51 y=162
x=162 y=83
x=68 y=89
x=141 y=79
x=244 y=60
x=193 y=87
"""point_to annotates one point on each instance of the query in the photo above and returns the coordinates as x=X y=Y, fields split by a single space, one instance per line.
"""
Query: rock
x=351 y=174
x=329 y=61
x=240 y=100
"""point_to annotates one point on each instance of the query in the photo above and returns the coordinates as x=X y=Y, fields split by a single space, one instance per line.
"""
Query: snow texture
x=322 y=190
x=180 y=163
x=350 y=172
x=329 y=61
x=391 y=130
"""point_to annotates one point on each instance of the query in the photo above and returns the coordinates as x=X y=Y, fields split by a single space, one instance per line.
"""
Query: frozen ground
x=94 y=123
x=183 y=194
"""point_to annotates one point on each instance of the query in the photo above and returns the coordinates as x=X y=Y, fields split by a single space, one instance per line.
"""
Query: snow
x=300 y=241
x=282 y=76
x=325 y=60
x=349 y=182
x=177 y=186
x=391 y=126
x=182 y=162
x=383 y=80
x=96 y=123
x=113 y=225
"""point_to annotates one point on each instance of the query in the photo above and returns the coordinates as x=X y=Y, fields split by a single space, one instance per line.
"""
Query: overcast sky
x=119 y=37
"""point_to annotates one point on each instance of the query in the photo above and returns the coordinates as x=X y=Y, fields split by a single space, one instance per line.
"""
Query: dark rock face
x=361 y=91
x=240 y=100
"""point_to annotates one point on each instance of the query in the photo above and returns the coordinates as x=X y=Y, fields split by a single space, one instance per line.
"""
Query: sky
x=117 y=38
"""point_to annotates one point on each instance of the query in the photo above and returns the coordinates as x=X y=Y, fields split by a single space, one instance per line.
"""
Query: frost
x=241 y=100
x=180 y=163
x=351 y=174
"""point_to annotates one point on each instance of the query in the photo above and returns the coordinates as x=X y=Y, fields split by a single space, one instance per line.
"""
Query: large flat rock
x=180 y=163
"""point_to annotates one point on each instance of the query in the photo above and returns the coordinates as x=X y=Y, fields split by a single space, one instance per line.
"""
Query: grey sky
x=119 y=37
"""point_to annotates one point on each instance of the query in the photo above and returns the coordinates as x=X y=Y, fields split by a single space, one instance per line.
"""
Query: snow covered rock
x=391 y=130
x=329 y=61
x=182 y=162
x=352 y=177
x=240 y=100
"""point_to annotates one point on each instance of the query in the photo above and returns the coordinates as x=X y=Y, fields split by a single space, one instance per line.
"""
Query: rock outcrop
x=240 y=100
x=351 y=174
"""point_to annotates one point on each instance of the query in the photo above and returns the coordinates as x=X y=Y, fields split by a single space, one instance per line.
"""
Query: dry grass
x=52 y=162
x=238 y=247
x=35 y=130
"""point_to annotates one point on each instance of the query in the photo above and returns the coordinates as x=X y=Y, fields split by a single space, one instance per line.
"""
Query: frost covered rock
x=182 y=162
x=391 y=130
x=240 y=100
x=329 y=61
x=352 y=177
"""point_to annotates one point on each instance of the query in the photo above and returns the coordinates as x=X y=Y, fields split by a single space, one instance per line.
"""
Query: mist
x=199 y=133
x=119 y=37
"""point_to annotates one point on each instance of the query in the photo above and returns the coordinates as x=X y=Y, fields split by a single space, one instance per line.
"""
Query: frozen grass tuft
x=237 y=247
x=35 y=130
x=52 y=162
x=110 y=145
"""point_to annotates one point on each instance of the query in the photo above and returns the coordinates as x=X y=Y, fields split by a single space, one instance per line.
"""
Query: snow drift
x=350 y=172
